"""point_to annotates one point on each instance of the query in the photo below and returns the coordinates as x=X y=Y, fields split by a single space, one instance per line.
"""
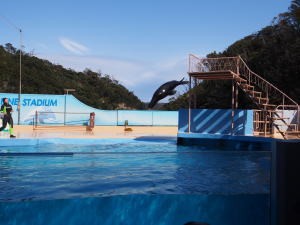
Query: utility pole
x=20 y=66
x=20 y=80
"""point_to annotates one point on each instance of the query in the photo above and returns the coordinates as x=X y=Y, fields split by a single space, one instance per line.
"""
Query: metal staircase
x=277 y=113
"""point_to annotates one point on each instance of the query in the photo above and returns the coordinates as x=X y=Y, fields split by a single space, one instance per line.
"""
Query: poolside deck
x=22 y=131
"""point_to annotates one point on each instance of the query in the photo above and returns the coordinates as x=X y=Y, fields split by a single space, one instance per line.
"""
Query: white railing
x=266 y=87
x=201 y=65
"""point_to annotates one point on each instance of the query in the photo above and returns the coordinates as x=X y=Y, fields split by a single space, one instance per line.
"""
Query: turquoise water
x=135 y=182
x=141 y=210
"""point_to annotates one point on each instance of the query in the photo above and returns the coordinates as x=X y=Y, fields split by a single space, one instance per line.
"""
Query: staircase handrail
x=282 y=106
x=268 y=86
x=268 y=83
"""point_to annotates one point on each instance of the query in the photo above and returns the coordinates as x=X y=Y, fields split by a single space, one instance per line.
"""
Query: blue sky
x=140 y=43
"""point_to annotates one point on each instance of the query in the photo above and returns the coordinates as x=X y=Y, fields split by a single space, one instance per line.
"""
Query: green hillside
x=42 y=77
x=273 y=53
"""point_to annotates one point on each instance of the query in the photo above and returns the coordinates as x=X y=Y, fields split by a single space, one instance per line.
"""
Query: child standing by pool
x=6 y=109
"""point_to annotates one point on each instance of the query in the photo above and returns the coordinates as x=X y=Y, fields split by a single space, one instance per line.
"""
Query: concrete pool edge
x=83 y=141
x=26 y=131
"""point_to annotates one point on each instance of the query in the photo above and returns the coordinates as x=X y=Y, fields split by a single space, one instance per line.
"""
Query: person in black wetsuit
x=6 y=110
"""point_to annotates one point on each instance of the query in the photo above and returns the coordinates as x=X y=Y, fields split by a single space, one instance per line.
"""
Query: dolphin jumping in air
x=165 y=90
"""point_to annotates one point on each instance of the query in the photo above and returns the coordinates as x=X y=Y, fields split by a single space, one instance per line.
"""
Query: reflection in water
x=217 y=172
x=136 y=168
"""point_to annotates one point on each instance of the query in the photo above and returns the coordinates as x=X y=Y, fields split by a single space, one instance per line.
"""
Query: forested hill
x=42 y=77
x=273 y=53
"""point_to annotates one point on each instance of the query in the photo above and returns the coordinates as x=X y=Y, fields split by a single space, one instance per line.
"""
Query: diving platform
x=276 y=113
x=214 y=75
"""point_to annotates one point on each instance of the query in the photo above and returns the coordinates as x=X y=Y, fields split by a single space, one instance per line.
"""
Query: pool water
x=132 y=182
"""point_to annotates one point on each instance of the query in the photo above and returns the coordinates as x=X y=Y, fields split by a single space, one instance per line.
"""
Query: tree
x=41 y=76
x=10 y=48
x=295 y=12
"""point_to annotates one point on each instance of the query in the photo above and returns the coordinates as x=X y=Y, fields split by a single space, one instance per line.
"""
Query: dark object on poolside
x=127 y=128
x=196 y=223
x=91 y=125
x=165 y=90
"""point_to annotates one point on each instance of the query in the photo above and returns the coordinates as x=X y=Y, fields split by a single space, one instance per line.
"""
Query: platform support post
x=232 y=106
x=190 y=103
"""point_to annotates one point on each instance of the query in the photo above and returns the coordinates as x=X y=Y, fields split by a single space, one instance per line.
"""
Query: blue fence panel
x=105 y=117
x=135 y=117
x=165 y=118
x=216 y=121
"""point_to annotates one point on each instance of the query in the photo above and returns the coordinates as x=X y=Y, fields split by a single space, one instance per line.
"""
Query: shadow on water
x=161 y=139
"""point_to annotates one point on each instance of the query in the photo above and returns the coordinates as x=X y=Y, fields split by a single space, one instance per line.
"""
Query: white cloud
x=143 y=78
x=72 y=46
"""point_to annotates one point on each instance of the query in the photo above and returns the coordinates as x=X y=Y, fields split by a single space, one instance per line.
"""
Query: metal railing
x=201 y=65
x=267 y=88
x=44 y=119
x=277 y=97
x=260 y=124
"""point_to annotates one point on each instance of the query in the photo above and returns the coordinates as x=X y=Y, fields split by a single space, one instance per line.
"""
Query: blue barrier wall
x=135 y=117
x=216 y=121
x=151 y=118
x=52 y=108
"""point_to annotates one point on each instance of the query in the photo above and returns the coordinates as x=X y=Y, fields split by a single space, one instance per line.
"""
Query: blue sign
x=33 y=102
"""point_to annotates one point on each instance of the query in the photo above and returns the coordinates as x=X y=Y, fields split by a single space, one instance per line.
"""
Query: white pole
x=20 y=80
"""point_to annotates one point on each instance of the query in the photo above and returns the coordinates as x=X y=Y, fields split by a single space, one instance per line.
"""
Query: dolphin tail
x=183 y=82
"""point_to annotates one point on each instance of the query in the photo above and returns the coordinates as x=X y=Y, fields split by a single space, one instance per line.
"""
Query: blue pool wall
x=53 y=107
x=225 y=142
x=211 y=128
x=216 y=121
x=140 y=210
x=285 y=182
